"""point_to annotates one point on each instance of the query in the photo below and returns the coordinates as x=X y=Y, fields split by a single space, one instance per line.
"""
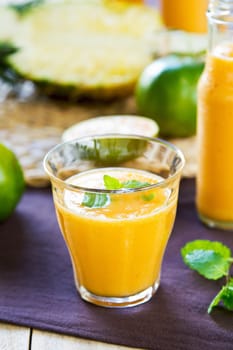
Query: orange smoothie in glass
x=117 y=250
x=187 y=15
x=115 y=197
x=215 y=121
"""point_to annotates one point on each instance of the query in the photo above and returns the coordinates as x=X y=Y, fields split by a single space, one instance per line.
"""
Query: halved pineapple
x=8 y=24
x=85 y=47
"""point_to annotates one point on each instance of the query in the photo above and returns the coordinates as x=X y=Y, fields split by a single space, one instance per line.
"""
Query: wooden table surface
x=23 y=338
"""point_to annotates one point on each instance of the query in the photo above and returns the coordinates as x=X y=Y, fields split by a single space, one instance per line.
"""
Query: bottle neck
x=220 y=7
x=220 y=23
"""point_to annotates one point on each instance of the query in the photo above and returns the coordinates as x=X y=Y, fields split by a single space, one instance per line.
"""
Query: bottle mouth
x=221 y=11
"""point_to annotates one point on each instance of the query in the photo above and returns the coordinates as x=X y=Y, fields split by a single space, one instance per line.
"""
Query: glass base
x=118 y=302
x=224 y=225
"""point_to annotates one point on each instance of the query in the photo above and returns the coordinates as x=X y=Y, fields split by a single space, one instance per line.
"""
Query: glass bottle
x=214 y=197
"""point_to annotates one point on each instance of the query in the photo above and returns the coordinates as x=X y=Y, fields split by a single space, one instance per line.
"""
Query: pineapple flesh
x=85 y=47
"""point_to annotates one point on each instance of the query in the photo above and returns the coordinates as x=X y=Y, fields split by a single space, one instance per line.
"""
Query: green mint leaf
x=139 y=184
x=111 y=183
x=100 y=200
x=135 y=184
x=148 y=197
x=225 y=296
x=215 y=301
x=95 y=200
x=210 y=259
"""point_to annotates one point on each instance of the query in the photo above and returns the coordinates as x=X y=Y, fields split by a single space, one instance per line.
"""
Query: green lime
x=166 y=92
x=11 y=182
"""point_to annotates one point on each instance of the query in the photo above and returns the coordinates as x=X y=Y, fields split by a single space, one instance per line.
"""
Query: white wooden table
x=22 y=338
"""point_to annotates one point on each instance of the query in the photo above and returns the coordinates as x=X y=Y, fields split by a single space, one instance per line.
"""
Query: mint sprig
x=100 y=200
x=209 y=259
x=225 y=296
x=148 y=197
x=95 y=200
x=213 y=261
x=135 y=184
x=111 y=183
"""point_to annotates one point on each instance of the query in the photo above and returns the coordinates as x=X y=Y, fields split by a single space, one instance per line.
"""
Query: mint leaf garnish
x=135 y=184
x=100 y=200
x=148 y=197
x=95 y=200
x=111 y=183
x=209 y=259
x=225 y=296
x=212 y=260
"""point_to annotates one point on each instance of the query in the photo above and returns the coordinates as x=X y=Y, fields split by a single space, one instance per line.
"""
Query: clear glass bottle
x=214 y=198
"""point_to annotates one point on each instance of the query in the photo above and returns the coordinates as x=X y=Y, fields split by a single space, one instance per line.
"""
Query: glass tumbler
x=115 y=198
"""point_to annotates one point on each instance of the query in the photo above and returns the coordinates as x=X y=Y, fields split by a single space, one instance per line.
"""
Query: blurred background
x=65 y=62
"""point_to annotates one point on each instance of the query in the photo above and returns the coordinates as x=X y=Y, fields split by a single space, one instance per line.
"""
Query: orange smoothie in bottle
x=117 y=249
x=186 y=15
x=215 y=121
x=215 y=138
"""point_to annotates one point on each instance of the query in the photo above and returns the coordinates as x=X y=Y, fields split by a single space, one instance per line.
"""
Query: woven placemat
x=33 y=126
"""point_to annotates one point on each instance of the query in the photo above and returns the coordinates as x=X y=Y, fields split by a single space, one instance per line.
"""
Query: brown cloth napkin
x=37 y=289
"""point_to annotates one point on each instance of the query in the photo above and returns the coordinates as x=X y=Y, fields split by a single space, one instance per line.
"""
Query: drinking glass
x=115 y=198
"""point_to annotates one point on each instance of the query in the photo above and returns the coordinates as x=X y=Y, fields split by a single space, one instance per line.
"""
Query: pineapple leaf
x=25 y=7
x=6 y=48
